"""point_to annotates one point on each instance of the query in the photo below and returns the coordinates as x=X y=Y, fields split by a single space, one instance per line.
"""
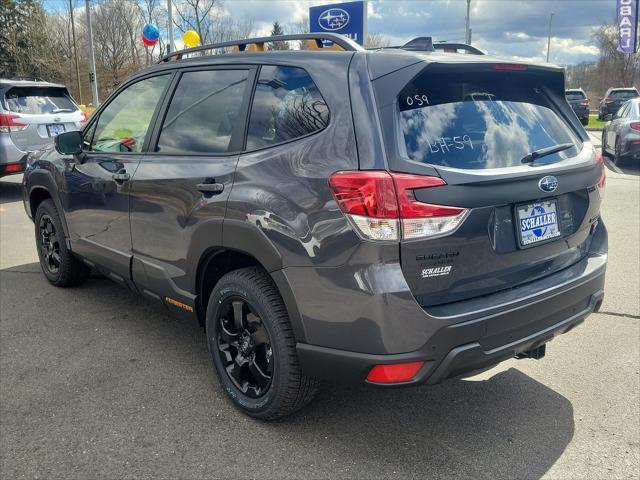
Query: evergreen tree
x=275 y=31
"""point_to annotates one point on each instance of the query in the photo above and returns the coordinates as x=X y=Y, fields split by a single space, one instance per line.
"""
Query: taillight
x=603 y=175
x=607 y=100
x=8 y=123
x=584 y=102
x=85 y=118
x=635 y=126
x=382 y=205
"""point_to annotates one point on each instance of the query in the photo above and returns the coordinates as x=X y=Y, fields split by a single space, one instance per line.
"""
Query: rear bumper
x=480 y=333
x=10 y=155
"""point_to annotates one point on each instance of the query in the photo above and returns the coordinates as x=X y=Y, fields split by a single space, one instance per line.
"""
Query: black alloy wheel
x=244 y=347
x=253 y=347
x=49 y=245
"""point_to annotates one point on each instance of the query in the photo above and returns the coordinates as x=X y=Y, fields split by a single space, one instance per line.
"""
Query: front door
x=180 y=189
x=96 y=200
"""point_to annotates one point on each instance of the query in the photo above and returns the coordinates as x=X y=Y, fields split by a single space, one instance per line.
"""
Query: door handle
x=213 y=188
x=121 y=176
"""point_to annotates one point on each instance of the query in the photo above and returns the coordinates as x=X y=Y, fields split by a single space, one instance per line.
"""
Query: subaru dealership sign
x=349 y=19
x=627 y=19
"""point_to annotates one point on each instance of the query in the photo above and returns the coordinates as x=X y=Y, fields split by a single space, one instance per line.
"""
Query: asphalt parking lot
x=96 y=382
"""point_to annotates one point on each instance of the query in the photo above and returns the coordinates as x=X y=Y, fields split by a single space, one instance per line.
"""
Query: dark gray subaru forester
x=395 y=217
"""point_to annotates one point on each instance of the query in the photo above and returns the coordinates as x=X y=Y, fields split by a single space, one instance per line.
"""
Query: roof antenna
x=424 y=44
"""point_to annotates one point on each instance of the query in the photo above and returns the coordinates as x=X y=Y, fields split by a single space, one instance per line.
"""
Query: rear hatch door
x=476 y=126
x=39 y=113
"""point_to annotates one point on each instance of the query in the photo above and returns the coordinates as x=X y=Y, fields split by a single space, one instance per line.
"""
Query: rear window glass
x=623 y=94
x=39 y=100
x=287 y=104
x=575 y=96
x=479 y=120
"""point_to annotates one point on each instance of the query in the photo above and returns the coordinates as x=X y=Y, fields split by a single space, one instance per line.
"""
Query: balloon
x=191 y=39
x=150 y=32
x=147 y=42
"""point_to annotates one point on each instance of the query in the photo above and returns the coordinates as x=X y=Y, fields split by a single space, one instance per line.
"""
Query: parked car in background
x=32 y=113
x=392 y=217
x=579 y=103
x=613 y=100
x=621 y=136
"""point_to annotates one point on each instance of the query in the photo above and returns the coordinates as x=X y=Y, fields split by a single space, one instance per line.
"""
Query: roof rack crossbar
x=341 y=41
x=458 y=46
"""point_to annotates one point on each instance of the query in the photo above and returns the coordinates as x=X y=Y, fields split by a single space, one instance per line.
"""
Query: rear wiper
x=61 y=110
x=543 y=152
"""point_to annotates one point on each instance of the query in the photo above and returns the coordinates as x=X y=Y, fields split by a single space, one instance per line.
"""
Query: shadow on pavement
x=134 y=388
x=10 y=192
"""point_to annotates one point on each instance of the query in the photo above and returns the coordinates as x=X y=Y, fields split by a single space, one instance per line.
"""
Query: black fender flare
x=43 y=179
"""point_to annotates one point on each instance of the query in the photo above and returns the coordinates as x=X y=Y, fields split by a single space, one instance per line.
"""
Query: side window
x=286 y=105
x=622 y=112
x=123 y=124
x=203 y=112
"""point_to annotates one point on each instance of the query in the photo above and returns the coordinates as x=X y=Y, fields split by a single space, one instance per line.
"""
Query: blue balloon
x=151 y=32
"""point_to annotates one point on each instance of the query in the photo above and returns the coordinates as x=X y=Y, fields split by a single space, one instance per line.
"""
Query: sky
x=514 y=28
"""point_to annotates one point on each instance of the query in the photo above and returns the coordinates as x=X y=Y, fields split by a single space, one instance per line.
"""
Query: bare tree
x=377 y=40
x=197 y=15
x=117 y=27
x=614 y=69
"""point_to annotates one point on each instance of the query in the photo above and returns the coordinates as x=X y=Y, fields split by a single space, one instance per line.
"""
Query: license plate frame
x=55 y=129
x=534 y=235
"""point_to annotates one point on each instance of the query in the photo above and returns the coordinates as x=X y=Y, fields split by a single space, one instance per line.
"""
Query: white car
x=32 y=113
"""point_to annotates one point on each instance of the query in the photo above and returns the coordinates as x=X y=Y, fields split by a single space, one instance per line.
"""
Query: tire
x=585 y=122
x=58 y=264
x=248 y=331
x=617 y=158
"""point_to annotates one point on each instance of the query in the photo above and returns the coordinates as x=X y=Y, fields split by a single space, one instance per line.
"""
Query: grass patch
x=595 y=123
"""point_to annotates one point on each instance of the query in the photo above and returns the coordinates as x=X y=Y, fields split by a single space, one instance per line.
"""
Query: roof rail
x=458 y=46
x=315 y=42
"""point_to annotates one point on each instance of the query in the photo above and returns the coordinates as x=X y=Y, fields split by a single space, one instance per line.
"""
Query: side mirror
x=69 y=143
x=608 y=117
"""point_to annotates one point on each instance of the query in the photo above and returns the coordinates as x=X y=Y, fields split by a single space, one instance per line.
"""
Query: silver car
x=621 y=135
x=32 y=113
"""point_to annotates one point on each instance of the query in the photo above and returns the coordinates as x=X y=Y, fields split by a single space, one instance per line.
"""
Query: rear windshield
x=479 y=120
x=575 y=96
x=38 y=100
x=623 y=94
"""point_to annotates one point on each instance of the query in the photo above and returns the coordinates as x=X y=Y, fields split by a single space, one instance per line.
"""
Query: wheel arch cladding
x=217 y=262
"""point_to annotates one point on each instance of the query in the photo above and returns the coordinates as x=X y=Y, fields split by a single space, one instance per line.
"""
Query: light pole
x=467 y=37
x=171 y=46
x=92 y=57
x=549 y=36
x=75 y=50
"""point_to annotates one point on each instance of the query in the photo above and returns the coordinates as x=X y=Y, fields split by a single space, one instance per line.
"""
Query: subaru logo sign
x=333 y=19
x=548 y=184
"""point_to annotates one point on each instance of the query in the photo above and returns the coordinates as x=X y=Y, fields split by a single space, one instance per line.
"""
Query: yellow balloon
x=191 y=39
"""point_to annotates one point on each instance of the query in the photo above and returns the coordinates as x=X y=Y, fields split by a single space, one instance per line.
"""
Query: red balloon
x=149 y=43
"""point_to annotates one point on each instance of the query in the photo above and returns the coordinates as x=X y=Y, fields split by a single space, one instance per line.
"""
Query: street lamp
x=549 y=36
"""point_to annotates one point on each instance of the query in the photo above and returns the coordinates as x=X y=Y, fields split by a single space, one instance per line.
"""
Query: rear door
x=180 y=189
x=476 y=126
x=44 y=111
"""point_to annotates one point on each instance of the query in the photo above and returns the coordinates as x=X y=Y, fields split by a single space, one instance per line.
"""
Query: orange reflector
x=399 y=372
